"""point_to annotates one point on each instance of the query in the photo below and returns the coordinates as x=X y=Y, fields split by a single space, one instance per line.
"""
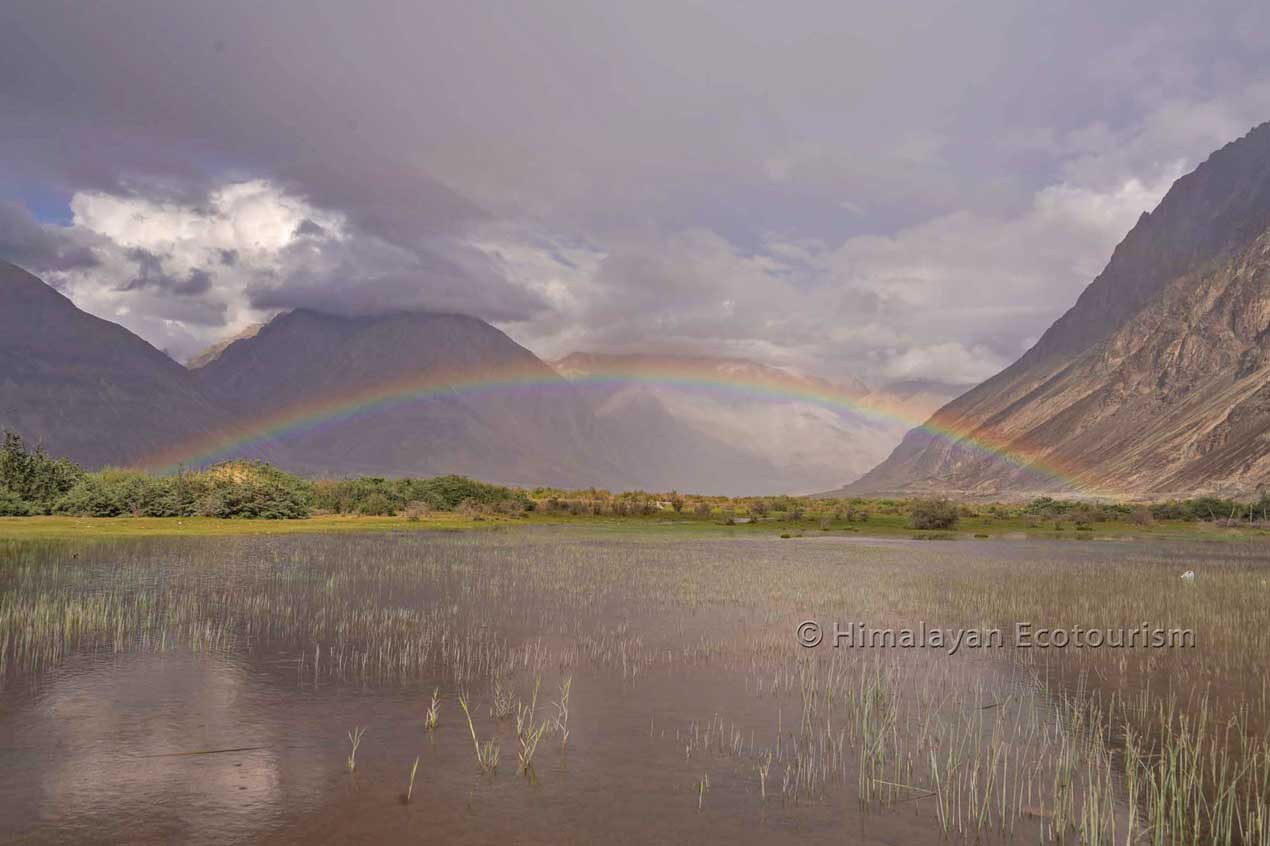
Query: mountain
x=424 y=394
x=737 y=426
x=1154 y=382
x=87 y=388
x=213 y=352
x=409 y=394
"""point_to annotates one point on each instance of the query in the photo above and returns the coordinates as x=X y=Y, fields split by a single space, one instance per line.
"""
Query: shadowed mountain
x=408 y=394
x=87 y=388
x=1154 y=382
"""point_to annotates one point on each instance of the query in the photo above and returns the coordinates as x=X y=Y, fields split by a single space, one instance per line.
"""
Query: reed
x=355 y=740
x=487 y=752
x=410 y=787
x=430 y=720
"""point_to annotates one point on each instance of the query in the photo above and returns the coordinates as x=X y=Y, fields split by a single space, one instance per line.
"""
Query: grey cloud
x=308 y=227
x=688 y=144
x=150 y=274
x=362 y=275
x=198 y=313
x=39 y=247
x=580 y=112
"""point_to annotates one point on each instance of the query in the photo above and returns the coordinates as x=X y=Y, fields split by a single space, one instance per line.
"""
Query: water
x=201 y=691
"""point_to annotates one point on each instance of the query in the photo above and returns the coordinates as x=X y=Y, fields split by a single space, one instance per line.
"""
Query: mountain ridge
x=1210 y=217
x=85 y=387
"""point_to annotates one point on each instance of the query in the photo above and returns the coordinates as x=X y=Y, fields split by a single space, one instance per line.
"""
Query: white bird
x=1188 y=576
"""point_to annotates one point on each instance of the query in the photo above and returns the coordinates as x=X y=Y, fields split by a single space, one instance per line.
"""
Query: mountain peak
x=1152 y=382
x=1219 y=207
x=84 y=387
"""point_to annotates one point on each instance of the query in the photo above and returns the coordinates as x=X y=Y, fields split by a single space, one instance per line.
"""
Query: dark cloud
x=308 y=227
x=150 y=274
x=362 y=276
x=26 y=242
x=852 y=182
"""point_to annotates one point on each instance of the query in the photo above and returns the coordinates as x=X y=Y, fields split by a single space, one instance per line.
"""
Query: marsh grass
x=562 y=712
x=410 y=787
x=527 y=733
x=487 y=752
x=433 y=716
x=354 y=740
x=1014 y=745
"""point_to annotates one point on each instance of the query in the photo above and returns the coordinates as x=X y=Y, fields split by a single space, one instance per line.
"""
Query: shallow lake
x=205 y=690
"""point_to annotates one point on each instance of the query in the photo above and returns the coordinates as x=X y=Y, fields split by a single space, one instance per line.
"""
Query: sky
x=855 y=189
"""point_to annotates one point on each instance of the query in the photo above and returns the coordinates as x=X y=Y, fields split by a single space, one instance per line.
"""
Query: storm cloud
x=854 y=188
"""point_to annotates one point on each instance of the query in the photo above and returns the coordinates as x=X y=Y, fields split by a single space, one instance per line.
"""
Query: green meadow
x=889 y=521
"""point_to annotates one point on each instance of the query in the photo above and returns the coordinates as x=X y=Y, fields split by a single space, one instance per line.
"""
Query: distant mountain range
x=784 y=431
x=1157 y=381
x=424 y=394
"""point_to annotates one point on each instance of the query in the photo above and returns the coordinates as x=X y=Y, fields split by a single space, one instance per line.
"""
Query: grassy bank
x=892 y=526
x=19 y=528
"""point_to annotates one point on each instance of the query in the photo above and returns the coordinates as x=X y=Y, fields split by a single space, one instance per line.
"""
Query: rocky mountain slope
x=1153 y=383
x=87 y=388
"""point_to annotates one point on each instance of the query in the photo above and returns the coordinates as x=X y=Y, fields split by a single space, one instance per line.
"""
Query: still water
x=203 y=691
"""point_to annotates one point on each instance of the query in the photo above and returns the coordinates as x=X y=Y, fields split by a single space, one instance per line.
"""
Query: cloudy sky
x=888 y=190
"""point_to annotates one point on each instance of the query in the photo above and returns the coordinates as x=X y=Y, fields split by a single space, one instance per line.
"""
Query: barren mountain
x=1155 y=382
x=787 y=432
x=87 y=388
x=409 y=394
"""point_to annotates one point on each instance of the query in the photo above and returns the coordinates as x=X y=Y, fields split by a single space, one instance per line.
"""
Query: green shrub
x=32 y=481
x=234 y=489
x=936 y=513
x=252 y=490
x=115 y=492
x=12 y=505
x=376 y=505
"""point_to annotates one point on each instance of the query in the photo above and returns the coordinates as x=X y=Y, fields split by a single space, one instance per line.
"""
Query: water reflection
x=124 y=750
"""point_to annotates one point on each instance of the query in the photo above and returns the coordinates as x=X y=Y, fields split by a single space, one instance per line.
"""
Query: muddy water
x=202 y=691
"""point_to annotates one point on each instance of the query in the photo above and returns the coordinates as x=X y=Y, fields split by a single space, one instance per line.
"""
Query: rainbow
x=699 y=376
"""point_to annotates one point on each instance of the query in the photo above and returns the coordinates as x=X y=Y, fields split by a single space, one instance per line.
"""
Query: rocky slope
x=87 y=388
x=1153 y=383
